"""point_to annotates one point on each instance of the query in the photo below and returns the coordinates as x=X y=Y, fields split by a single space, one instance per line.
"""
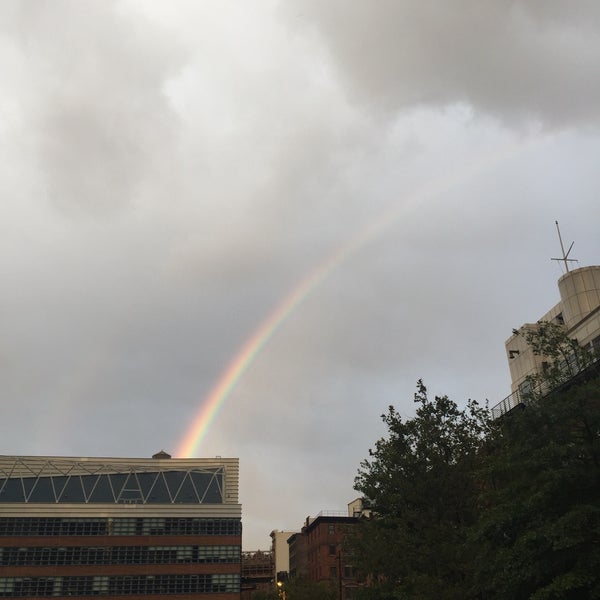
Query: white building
x=281 y=551
x=578 y=312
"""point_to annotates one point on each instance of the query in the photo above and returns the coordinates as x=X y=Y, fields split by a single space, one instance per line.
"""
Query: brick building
x=319 y=554
x=257 y=573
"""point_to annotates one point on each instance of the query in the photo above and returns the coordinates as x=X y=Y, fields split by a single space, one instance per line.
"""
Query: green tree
x=420 y=482
x=563 y=357
x=539 y=533
x=539 y=529
x=303 y=589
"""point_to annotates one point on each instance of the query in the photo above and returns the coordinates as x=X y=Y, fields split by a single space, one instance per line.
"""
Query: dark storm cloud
x=94 y=96
x=515 y=60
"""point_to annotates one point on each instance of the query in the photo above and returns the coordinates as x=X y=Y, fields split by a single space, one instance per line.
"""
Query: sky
x=367 y=191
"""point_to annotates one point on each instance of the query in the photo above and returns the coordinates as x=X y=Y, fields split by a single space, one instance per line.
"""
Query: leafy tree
x=420 y=481
x=303 y=589
x=508 y=509
x=539 y=535
x=564 y=357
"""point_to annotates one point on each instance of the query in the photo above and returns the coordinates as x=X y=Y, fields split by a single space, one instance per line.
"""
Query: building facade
x=281 y=553
x=577 y=313
x=120 y=528
x=257 y=573
x=298 y=556
x=318 y=553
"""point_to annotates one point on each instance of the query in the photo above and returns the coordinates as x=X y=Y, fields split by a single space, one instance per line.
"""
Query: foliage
x=564 y=357
x=379 y=591
x=468 y=508
x=420 y=482
x=539 y=535
x=303 y=589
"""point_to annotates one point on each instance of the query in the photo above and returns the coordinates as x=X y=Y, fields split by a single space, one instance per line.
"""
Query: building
x=281 y=554
x=298 y=556
x=257 y=573
x=577 y=312
x=127 y=528
x=318 y=552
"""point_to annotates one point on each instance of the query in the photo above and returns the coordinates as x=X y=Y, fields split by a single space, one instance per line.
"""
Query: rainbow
x=252 y=347
x=249 y=351
x=245 y=356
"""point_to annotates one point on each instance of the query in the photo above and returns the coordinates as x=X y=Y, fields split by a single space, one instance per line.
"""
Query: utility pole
x=340 y=573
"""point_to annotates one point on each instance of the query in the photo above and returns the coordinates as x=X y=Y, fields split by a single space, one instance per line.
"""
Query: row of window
x=118 y=555
x=118 y=585
x=153 y=487
x=118 y=526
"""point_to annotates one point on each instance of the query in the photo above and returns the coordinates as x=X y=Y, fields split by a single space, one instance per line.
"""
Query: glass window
x=209 y=486
x=174 y=479
x=159 y=493
x=42 y=491
x=100 y=490
x=69 y=489
x=186 y=493
x=130 y=491
x=124 y=526
x=117 y=481
x=11 y=490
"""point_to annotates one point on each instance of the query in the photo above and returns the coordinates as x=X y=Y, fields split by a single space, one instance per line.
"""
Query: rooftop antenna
x=565 y=257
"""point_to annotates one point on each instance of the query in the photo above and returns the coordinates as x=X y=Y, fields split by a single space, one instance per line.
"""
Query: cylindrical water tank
x=579 y=293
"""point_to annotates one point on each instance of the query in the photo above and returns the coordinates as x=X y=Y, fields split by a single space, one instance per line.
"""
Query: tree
x=539 y=528
x=420 y=482
x=564 y=357
x=303 y=589
x=468 y=508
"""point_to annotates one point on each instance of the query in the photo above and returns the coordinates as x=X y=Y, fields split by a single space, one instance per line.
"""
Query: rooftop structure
x=577 y=313
x=317 y=552
x=257 y=572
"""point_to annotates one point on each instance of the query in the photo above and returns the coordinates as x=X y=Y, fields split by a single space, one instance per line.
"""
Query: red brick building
x=318 y=552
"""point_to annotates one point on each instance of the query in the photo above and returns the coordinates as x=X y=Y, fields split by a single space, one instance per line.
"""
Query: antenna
x=565 y=257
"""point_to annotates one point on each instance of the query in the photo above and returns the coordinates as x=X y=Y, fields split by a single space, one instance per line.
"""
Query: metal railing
x=332 y=513
x=511 y=401
x=570 y=369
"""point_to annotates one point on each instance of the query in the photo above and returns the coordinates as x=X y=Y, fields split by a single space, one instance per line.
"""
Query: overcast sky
x=170 y=172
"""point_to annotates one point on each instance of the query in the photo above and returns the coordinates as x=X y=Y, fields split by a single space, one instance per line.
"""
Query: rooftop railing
x=332 y=513
x=570 y=369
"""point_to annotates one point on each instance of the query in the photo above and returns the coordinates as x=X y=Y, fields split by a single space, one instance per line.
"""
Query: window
x=333 y=572
x=332 y=550
x=52 y=526
x=118 y=555
x=331 y=528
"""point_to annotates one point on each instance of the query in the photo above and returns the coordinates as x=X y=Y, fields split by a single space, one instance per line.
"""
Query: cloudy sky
x=172 y=171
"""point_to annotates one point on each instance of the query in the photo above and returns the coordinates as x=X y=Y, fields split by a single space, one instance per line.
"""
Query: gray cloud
x=94 y=94
x=517 y=61
x=170 y=173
